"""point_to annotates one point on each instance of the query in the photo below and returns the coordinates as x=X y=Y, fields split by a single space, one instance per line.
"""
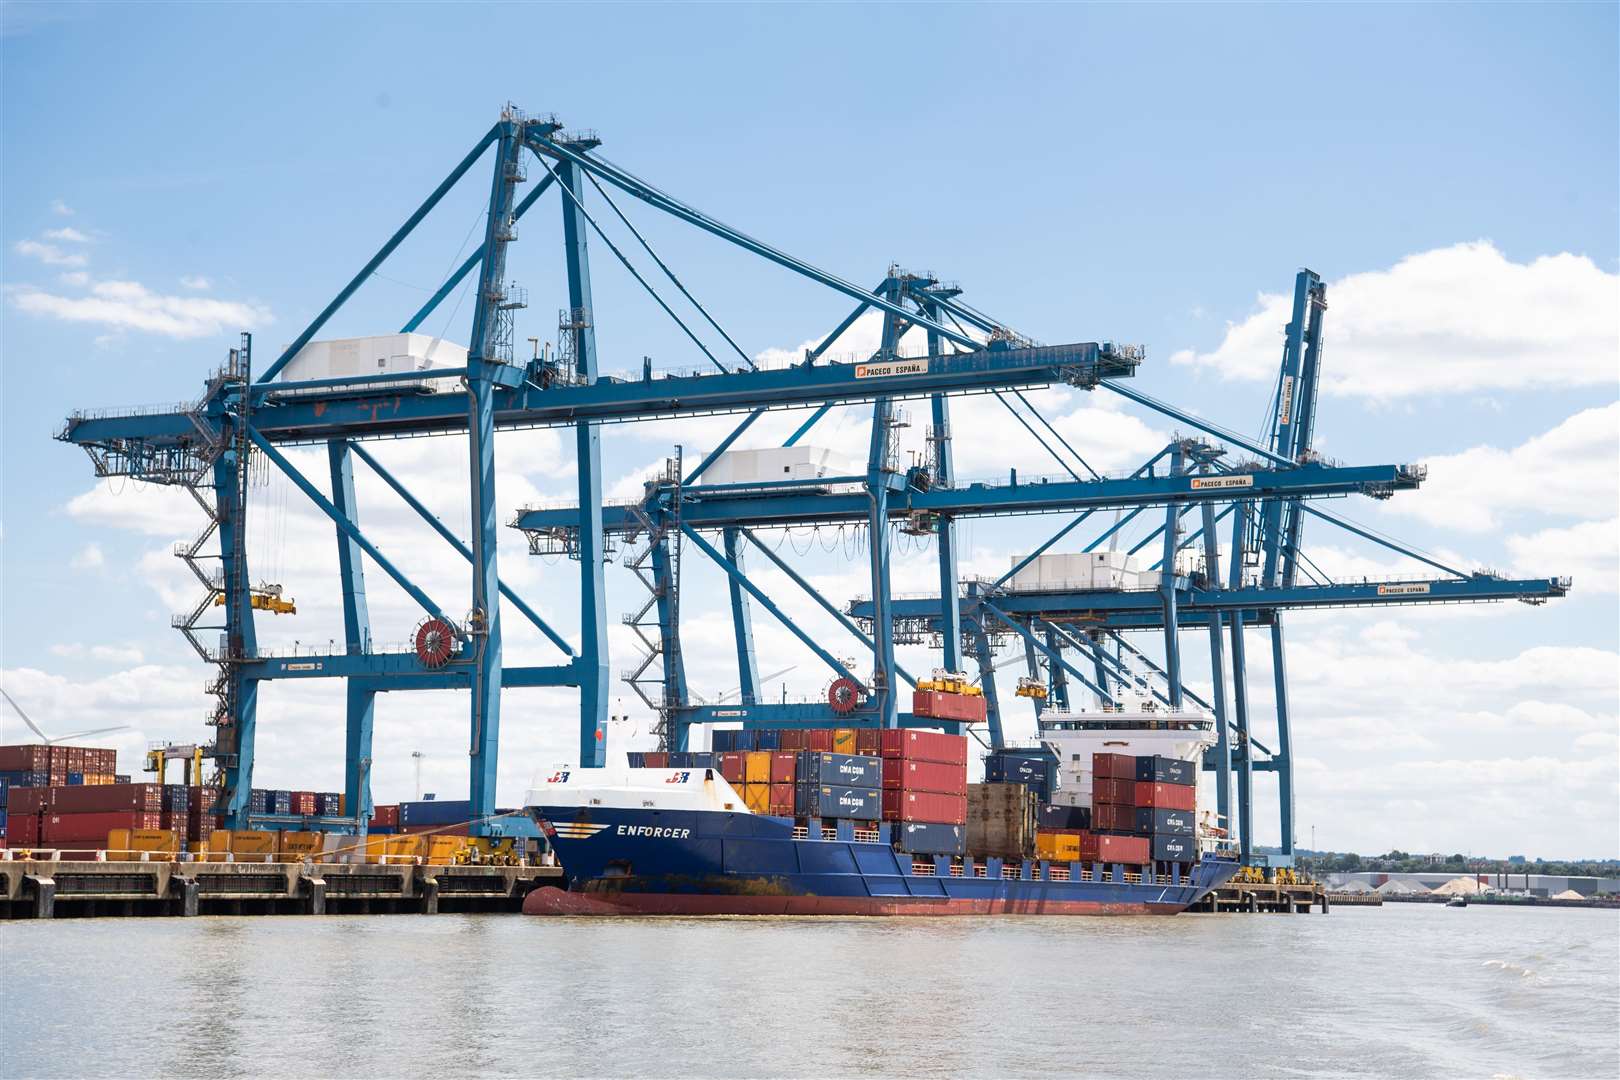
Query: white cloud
x=1570 y=471
x=1445 y=321
x=60 y=208
x=195 y=281
x=77 y=278
x=89 y=557
x=49 y=254
x=67 y=234
x=128 y=305
x=1589 y=553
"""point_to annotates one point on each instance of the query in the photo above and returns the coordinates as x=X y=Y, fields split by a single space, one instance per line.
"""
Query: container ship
x=870 y=822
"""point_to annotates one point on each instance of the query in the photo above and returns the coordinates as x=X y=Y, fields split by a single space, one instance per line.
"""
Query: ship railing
x=829 y=833
x=1085 y=875
x=866 y=836
x=1011 y=872
x=956 y=869
x=922 y=868
x=1057 y=873
x=802 y=832
x=1132 y=879
x=979 y=870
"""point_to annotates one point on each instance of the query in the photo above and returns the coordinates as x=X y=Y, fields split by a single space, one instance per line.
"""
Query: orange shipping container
x=757 y=797
x=757 y=768
x=843 y=740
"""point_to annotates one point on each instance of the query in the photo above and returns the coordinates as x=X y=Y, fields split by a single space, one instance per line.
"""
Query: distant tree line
x=1401 y=862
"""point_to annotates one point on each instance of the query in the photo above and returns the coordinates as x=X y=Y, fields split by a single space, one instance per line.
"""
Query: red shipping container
x=732 y=765
x=791 y=739
x=819 y=740
x=912 y=745
x=1166 y=796
x=105 y=798
x=924 y=776
x=1117 y=766
x=655 y=759
x=81 y=828
x=27 y=800
x=22 y=830
x=784 y=767
x=924 y=806
x=30 y=758
x=936 y=704
x=1113 y=816
x=1131 y=850
x=869 y=741
x=303 y=803
x=780 y=801
x=1122 y=792
x=386 y=815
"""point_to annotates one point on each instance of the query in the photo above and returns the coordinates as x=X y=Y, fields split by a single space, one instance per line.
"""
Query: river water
x=1404 y=990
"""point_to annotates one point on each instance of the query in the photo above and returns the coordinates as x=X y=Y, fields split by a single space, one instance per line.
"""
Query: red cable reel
x=435 y=642
x=845 y=695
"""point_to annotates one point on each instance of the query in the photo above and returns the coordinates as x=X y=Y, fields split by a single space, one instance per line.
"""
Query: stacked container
x=1000 y=820
x=925 y=790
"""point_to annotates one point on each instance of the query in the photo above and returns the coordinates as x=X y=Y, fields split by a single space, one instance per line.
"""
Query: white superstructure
x=617 y=785
x=383 y=354
x=773 y=463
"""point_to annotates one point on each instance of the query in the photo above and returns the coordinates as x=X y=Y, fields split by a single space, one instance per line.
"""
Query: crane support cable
x=633 y=272
x=665 y=268
x=1095 y=475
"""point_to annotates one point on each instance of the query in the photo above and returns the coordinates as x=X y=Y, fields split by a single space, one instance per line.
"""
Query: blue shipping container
x=860 y=804
x=918 y=838
x=75 y=779
x=1039 y=774
x=1165 y=770
x=1063 y=817
x=766 y=740
x=259 y=801
x=849 y=770
x=1169 y=822
x=435 y=812
x=636 y=759
x=1170 y=847
x=328 y=803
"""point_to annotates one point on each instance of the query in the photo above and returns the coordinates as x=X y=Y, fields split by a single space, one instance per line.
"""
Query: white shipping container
x=378 y=355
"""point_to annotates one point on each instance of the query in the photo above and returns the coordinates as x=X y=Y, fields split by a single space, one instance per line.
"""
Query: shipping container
x=924 y=776
x=655 y=759
x=1113 y=817
x=93 y=827
x=757 y=796
x=931 y=838
x=1113 y=766
x=1059 y=816
x=435 y=812
x=1161 y=821
x=848 y=770
x=22 y=830
x=757 y=767
x=724 y=740
x=635 y=759
x=176 y=798
x=329 y=803
x=844 y=741
x=386 y=815
x=733 y=766
x=1130 y=850
x=32 y=758
x=791 y=739
x=1174 y=847
x=1166 y=796
x=1036 y=769
x=1165 y=770
x=829 y=801
x=105 y=798
x=900 y=805
x=939 y=705
x=783 y=799
x=819 y=740
x=1121 y=792
x=767 y=739
x=914 y=745
x=784 y=767
x=1057 y=845
x=136 y=844
x=1000 y=820
x=869 y=741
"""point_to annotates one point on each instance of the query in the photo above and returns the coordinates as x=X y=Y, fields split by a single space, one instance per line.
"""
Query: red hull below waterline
x=550 y=900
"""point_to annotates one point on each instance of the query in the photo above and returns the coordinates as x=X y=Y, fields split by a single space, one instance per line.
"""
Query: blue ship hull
x=621 y=861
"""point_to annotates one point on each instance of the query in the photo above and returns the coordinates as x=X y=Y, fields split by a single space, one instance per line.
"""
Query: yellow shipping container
x=135 y=844
x=441 y=850
x=844 y=740
x=376 y=847
x=405 y=848
x=1059 y=847
x=757 y=767
x=300 y=843
x=253 y=844
x=757 y=796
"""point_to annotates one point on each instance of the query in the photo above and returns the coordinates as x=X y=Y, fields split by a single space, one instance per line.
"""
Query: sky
x=176 y=174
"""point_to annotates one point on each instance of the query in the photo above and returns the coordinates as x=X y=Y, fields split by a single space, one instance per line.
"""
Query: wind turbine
x=725 y=698
x=60 y=738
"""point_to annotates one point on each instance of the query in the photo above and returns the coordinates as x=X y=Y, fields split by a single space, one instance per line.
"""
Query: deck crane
x=247 y=414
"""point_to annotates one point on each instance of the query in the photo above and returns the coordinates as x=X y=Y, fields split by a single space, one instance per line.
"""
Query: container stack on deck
x=915 y=780
x=1142 y=810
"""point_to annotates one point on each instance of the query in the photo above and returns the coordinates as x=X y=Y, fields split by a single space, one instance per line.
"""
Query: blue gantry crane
x=207 y=448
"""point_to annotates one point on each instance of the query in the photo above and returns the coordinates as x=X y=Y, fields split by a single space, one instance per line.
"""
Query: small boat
x=1457 y=901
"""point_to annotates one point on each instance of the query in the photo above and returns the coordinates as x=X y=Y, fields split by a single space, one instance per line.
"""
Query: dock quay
x=1253 y=897
x=41 y=888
